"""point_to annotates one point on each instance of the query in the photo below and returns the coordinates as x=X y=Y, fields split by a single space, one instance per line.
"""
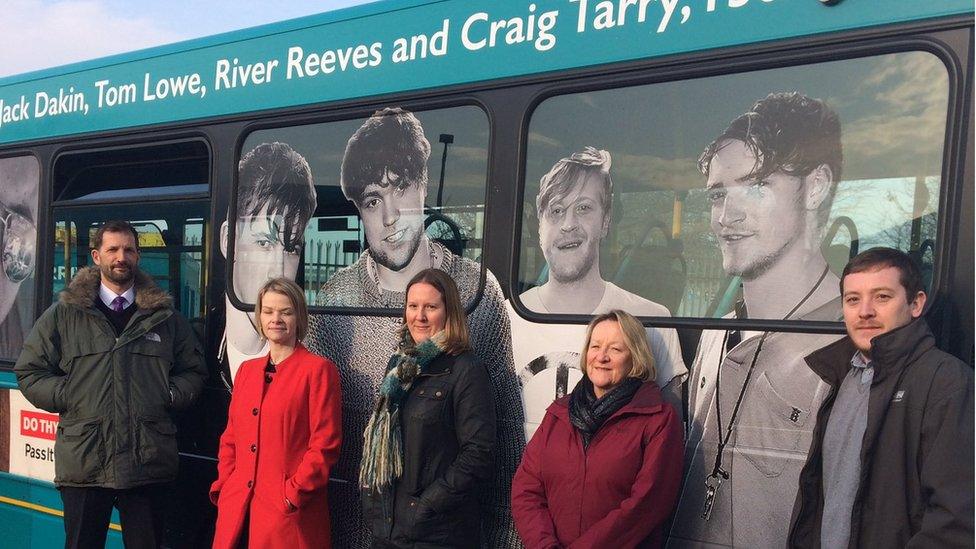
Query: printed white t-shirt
x=547 y=355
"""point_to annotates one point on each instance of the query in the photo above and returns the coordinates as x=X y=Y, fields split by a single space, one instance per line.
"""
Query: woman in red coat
x=282 y=437
x=604 y=467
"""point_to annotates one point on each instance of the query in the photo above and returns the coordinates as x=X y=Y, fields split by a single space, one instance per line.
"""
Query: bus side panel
x=31 y=515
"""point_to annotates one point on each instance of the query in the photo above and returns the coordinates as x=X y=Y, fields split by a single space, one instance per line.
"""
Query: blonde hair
x=295 y=294
x=635 y=338
x=456 y=336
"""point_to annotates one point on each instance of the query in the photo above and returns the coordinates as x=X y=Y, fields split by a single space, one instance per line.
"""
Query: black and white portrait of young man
x=275 y=200
x=19 y=180
x=384 y=174
x=574 y=207
x=770 y=179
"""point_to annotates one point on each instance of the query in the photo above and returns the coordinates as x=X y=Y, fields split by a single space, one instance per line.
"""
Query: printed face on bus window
x=570 y=231
x=756 y=221
x=18 y=202
x=392 y=212
x=875 y=303
x=260 y=253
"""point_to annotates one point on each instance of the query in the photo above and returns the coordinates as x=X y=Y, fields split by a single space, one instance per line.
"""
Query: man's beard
x=384 y=259
x=117 y=277
x=756 y=267
x=578 y=269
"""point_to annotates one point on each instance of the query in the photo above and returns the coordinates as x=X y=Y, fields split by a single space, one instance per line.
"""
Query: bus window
x=170 y=247
x=94 y=187
x=676 y=198
x=344 y=207
x=165 y=170
x=192 y=267
x=19 y=180
x=65 y=266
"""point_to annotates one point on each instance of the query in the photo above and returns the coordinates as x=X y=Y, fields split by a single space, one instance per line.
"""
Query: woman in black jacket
x=428 y=445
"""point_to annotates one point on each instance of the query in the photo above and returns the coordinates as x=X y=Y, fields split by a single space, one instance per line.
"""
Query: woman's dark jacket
x=916 y=486
x=448 y=429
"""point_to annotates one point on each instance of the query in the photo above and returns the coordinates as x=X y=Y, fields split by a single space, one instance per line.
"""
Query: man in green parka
x=115 y=360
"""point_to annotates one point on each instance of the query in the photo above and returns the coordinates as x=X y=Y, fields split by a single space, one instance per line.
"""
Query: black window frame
x=924 y=37
x=344 y=114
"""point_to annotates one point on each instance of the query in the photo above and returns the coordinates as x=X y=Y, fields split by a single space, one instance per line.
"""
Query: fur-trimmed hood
x=83 y=290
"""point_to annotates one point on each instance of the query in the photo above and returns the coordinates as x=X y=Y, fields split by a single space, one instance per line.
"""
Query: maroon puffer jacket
x=617 y=493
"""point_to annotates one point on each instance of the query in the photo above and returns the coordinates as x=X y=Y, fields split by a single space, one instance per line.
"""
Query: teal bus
x=861 y=111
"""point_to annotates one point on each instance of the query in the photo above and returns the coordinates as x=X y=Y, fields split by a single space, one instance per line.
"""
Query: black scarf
x=587 y=413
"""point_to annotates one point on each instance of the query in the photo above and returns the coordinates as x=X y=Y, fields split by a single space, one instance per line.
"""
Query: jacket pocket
x=79 y=451
x=423 y=524
x=282 y=496
x=150 y=348
x=426 y=402
x=774 y=432
x=84 y=380
x=156 y=447
x=155 y=362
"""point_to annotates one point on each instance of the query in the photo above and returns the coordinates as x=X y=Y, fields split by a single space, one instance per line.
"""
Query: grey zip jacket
x=916 y=485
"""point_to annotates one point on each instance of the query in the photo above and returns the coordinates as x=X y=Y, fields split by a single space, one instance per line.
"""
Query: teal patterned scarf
x=382 y=445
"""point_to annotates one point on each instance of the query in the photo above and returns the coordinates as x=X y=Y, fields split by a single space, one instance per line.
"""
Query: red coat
x=618 y=493
x=281 y=441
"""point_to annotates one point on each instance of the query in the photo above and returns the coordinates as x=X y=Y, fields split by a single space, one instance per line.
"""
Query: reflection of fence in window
x=899 y=212
x=458 y=228
x=894 y=212
x=703 y=261
x=323 y=258
x=704 y=278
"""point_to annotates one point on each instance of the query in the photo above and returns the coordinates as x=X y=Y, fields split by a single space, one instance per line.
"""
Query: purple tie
x=118 y=304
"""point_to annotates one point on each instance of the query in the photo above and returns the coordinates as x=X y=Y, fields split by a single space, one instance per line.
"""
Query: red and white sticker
x=38 y=424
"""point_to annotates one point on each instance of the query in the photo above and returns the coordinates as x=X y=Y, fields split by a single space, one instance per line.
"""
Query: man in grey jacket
x=114 y=359
x=891 y=463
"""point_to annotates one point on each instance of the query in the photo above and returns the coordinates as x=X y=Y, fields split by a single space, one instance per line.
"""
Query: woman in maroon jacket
x=282 y=436
x=604 y=467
